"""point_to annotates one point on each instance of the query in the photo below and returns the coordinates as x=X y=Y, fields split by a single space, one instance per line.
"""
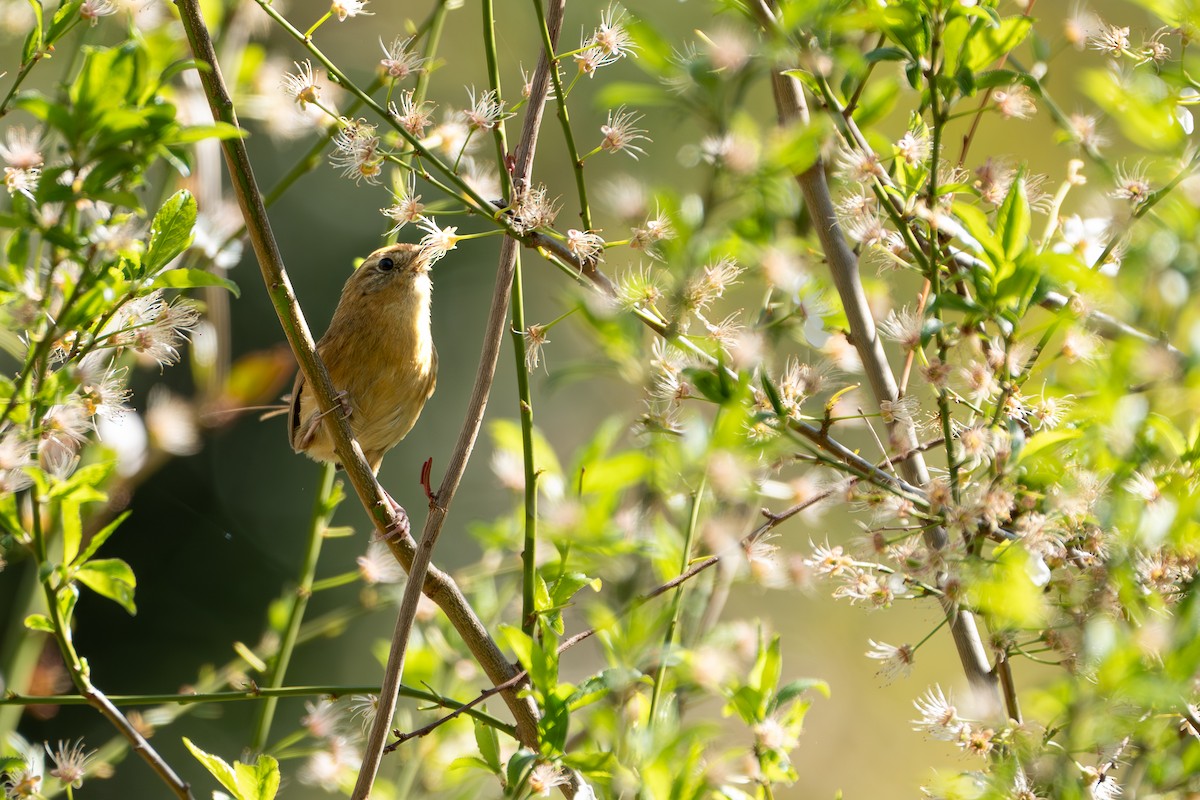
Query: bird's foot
x=343 y=399
x=400 y=526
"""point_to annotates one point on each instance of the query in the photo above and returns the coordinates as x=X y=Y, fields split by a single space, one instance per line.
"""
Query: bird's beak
x=421 y=264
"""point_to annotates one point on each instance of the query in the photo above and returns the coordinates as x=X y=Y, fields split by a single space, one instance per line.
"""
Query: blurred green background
x=217 y=536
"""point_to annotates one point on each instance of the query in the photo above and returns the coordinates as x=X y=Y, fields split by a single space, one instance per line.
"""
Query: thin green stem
x=493 y=64
x=928 y=636
x=437 y=22
x=564 y=118
x=524 y=396
x=434 y=24
x=17 y=81
x=1144 y=208
x=308 y=33
x=333 y=582
x=463 y=149
x=525 y=404
x=677 y=598
x=322 y=513
x=937 y=113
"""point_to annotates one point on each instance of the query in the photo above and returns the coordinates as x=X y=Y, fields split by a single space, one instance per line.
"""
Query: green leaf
x=101 y=537
x=795 y=148
x=1016 y=291
x=601 y=685
x=466 y=762
x=556 y=720
x=67 y=599
x=1013 y=220
x=110 y=80
x=990 y=43
x=183 y=278
x=1003 y=589
x=566 y=586
x=1161 y=430
x=976 y=224
x=952 y=301
x=198 y=133
x=39 y=622
x=610 y=475
x=257 y=781
x=714 y=384
x=1046 y=440
x=521 y=762
x=216 y=766
x=63 y=17
x=33 y=42
x=798 y=687
x=885 y=54
x=1140 y=104
x=745 y=702
x=488 y=742
x=111 y=578
x=653 y=50
x=764 y=675
x=772 y=394
x=171 y=233
x=72 y=526
x=519 y=642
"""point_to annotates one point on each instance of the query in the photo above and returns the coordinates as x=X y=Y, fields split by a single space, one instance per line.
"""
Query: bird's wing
x=297 y=435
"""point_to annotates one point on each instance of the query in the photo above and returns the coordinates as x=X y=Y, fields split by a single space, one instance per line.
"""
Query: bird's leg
x=343 y=398
x=426 y=469
x=400 y=527
x=314 y=422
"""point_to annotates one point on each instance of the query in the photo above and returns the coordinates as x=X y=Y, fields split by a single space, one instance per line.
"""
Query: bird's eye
x=386 y=263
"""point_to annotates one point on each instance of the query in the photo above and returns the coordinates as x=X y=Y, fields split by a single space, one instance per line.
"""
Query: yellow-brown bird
x=380 y=355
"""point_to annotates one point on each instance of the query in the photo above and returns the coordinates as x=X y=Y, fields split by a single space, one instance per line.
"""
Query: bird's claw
x=426 y=469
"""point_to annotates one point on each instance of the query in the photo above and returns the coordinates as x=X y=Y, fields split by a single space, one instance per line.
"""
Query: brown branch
x=843 y=267
x=97 y=698
x=438 y=586
x=501 y=672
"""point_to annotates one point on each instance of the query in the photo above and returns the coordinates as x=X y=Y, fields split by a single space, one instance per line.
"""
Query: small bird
x=380 y=355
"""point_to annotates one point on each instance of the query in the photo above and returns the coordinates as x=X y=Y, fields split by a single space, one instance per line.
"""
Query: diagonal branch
x=501 y=674
x=438 y=586
x=843 y=266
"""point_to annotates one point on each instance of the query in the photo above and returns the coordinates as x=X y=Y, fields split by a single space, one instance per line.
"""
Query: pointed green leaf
x=520 y=762
x=191 y=279
x=488 y=741
x=257 y=781
x=111 y=578
x=63 y=17
x=171 y=231
x=33 y=43
x=216 y=766
x=39 y=622
x=101 y=537
x=1013 y=220
x=72 y=527
x=198 y=133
